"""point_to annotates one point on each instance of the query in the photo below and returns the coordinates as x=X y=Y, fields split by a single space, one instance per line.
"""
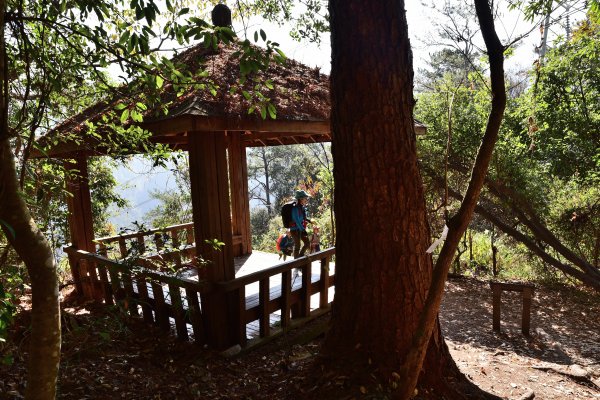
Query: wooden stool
x=526 y=289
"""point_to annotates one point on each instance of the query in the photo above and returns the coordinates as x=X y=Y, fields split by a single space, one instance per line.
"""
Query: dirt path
x=107 y=357
x=561 y=359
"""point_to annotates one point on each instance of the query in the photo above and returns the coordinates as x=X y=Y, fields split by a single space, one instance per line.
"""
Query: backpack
x=278 y=243
x=286 y=213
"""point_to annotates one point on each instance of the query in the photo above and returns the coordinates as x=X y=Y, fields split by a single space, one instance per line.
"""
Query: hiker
x=298 y=224
x=285 y=245
x=315 y=240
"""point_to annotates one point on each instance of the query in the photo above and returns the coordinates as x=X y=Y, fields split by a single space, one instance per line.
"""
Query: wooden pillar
x=81 y=227
x=240 y=205
x=496 y=293
x=212 y=220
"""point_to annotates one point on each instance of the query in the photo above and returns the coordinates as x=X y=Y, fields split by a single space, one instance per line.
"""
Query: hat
x=301 y=194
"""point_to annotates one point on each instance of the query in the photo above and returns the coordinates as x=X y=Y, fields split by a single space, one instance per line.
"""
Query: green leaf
x=159 y=81
x=272 y=111
x=125 y=116
x=263 y=111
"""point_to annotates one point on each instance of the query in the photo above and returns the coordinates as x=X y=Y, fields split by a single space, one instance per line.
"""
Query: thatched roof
x=300 y=95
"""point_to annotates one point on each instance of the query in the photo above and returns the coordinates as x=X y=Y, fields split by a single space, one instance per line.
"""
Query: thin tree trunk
x=33 y=248
x=458 y=224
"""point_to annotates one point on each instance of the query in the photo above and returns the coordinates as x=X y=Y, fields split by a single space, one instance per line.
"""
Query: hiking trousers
x=300 y=236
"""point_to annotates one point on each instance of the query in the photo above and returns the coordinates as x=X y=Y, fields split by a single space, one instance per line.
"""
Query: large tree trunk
x=31 y=245
x=386 y=300
x=382 y=270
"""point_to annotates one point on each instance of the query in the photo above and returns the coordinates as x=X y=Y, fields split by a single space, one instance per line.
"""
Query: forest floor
x=107 y=356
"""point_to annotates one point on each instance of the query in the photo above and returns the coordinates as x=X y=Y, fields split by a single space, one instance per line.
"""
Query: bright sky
x=509 y=25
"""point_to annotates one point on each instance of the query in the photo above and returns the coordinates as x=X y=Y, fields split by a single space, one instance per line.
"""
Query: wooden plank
x=286 y=291
x=131 y=303
x=160 y=308
x=178 y=312
x=144 y=299
x=195 y=315
x=513 y=287
x=176 y=256
x=263 y=294
x=324 y=284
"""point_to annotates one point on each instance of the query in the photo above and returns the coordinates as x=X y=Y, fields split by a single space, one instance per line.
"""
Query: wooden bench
x=527 y=291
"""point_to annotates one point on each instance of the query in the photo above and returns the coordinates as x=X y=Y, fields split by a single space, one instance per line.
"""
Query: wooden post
x=212 y=220
x=240 y=205
x=496 y=292
x=81 y=227
x=525 y=317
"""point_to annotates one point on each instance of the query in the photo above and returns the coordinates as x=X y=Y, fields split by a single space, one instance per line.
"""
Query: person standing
x=298 y=224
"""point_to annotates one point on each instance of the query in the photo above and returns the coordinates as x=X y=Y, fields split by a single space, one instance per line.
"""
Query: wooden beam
x=190 y=123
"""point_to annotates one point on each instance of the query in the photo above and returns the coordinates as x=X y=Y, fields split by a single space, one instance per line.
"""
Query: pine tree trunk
x=387 y=297
x=382 y=270
x=35 y=251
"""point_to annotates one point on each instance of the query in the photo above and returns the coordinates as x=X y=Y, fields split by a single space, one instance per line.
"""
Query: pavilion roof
x=300 y=95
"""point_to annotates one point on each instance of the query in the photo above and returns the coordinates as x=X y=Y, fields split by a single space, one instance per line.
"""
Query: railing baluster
x=190 y=234
x=131 y=301
x=178 y=312
x=141 y=243
x=176 y=244
x=263 y=301
x=195 y=315
x=142 y=287
x=123 y=247
x=286 y=295
x=108 y=294
x=324 y=283
x=160 y=308
x=306 y=286
x=241 y=316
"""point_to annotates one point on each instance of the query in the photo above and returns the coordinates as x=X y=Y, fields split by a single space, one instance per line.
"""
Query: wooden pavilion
x=215 y=131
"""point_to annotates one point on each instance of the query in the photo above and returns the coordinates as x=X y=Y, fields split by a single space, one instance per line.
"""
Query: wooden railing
x=172 y=245
x=293 y=301
x=127 y=271
x=160 y=296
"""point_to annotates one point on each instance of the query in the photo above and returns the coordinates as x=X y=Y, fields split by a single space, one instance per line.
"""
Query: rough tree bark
x=35 y=251
x=383 y=275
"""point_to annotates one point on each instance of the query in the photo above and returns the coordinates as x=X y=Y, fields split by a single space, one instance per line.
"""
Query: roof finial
x=221 y=16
